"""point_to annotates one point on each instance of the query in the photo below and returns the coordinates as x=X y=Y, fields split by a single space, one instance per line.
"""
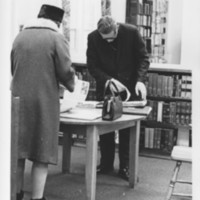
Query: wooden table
x=92 y=129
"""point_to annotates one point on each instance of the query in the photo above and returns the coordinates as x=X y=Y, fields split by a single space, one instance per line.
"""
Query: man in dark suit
x=117 y=51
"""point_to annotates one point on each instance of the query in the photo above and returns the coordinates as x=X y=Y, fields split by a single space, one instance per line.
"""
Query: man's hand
x=140 y=87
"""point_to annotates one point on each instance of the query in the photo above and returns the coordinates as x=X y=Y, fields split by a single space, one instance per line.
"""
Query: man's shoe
x=20 y=195
x=104 y=170
x=43 y=198
x=124 y=173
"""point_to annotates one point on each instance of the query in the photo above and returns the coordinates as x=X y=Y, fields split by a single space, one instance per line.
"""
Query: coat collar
x=42 y=23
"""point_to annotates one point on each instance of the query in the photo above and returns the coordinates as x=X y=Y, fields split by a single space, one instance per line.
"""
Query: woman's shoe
x=20 y=195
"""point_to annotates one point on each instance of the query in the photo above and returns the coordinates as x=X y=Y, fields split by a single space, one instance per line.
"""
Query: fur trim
x=42 y=23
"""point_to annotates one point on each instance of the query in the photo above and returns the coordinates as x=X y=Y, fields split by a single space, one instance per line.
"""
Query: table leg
x=133 y=154
x=66 y=156
x=91 y=162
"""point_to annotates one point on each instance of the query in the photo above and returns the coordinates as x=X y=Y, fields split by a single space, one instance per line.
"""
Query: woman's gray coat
x=39 y=62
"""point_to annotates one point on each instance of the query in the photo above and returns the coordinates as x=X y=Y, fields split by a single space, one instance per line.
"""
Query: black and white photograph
x=100 y=100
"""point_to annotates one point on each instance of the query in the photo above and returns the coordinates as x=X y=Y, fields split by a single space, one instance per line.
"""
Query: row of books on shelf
x=178 y=113
x=145 y=31
x=158 y=51
x=159 y=18
x=141 y=20
x=160 y=6
x=141 y=7
x=169 y=85
x=157 y=138
x=157 y=59
x=158 y=27
x=158 y=39
x=148 y=8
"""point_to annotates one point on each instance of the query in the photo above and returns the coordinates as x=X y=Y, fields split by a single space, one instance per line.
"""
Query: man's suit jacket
x=127 y=61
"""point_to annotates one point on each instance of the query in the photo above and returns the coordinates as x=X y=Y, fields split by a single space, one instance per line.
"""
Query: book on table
x=127 y=104
x=137 y=111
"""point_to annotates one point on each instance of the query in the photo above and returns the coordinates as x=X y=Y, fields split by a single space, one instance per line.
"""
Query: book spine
x=155 y=138
x=146 y=140
x=158 y=138
x=170 y=86
x=160 y=111
x=151 y=137
x=154 y=84
x=166 y=113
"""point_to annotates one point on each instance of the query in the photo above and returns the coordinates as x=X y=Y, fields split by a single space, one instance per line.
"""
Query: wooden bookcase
x=150 y=17
x=169 y=94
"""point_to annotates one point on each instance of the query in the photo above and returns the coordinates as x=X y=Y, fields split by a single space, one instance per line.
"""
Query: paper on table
x=71 y=99
x=88 y=104
x=82 y=114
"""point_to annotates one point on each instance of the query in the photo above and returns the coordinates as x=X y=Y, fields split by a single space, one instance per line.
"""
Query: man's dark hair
x=106 y=24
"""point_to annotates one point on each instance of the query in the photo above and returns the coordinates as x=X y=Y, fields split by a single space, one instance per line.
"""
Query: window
x=84 y=17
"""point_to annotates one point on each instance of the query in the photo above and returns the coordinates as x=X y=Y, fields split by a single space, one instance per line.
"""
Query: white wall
x=174 y=28
x=190 y=33
x=25 y=11
x=83 y=20
x=118 y=10
x=191 y=57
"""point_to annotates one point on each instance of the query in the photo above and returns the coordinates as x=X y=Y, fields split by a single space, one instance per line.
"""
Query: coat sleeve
x=93 y=62
x=143 y=58
x=65 y=73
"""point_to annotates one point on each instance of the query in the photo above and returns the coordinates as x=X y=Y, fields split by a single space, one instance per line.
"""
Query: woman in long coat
x=39 y=62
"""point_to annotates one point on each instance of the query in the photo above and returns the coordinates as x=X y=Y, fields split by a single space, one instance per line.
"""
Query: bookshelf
x=169 y=93
x=150 y=17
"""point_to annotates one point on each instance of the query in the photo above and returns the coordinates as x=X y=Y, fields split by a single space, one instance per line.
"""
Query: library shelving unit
x=169 y=89
x=150 y=17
